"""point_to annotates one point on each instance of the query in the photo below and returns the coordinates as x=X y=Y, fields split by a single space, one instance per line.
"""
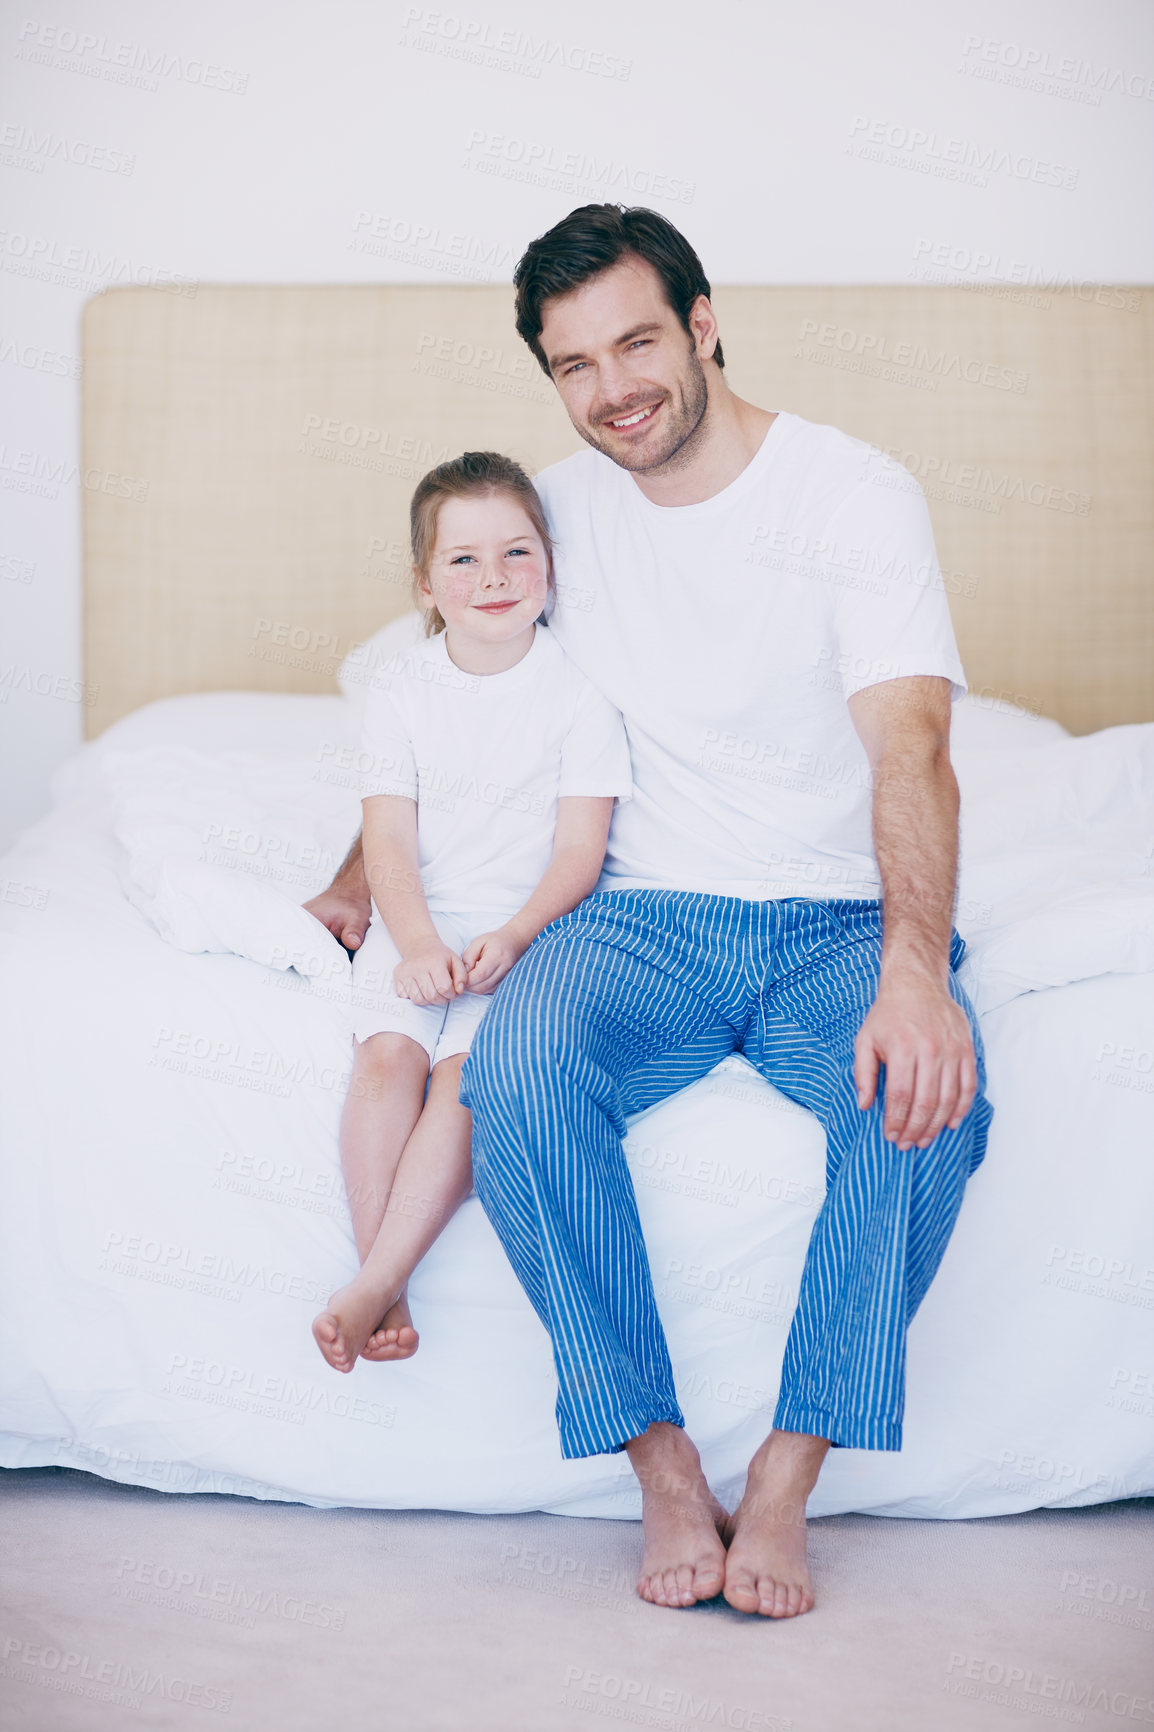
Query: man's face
x=629 y=374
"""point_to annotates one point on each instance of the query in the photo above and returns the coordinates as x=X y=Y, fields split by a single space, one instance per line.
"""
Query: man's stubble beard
x=682 y=437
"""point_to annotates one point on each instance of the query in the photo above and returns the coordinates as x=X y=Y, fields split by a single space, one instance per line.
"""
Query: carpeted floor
x=126 y=1608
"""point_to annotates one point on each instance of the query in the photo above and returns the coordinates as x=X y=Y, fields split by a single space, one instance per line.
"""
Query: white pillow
x=198 y=907
x=219 y=849
x=356 y=672
x=269 y=723
x=1107 y=928
x=1057 y=869
x=980 y=723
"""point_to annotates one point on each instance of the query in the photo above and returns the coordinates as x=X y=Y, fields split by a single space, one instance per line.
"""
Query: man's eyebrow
x=626 y=337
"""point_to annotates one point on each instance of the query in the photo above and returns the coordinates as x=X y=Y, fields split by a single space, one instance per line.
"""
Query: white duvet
x=174 y=1214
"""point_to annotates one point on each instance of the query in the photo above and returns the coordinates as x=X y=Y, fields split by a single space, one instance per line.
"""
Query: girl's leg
x=383 y=1104
x=431 y=1180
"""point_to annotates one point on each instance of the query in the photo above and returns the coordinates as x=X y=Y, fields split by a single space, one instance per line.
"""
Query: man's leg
x=613 y=1008
x=875 y=1246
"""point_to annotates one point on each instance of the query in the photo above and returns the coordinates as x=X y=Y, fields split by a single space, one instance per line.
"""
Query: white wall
x=836 y=141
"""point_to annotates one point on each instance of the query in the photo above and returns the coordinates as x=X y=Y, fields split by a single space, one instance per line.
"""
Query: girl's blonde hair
x=472 y=475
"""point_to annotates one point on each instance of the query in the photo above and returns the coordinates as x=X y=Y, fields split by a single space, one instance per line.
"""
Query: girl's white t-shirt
x=486 y=757
x=730 y=635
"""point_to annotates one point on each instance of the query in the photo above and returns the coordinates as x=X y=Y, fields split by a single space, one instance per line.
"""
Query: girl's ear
x=423 y=592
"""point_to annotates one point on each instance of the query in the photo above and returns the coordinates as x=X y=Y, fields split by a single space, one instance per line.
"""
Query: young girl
x=494 y=767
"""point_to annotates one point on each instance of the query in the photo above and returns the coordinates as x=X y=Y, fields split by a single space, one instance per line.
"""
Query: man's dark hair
x=592 y=239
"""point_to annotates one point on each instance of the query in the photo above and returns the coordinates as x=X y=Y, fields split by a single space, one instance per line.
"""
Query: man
x=760 y=598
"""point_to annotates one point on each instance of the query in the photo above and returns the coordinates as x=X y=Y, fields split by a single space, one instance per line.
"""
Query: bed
x=175 y=1214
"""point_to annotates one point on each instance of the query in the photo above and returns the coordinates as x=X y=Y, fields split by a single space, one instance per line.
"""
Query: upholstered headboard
x=249 y=454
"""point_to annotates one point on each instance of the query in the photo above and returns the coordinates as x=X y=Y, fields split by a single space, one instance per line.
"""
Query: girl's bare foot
x=394 y=1337
x=354 y=1312
x=766 y=1571
x=682 y=1522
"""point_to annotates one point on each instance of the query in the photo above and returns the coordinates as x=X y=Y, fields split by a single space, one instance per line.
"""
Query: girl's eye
x=518 y=550
x=460 y=559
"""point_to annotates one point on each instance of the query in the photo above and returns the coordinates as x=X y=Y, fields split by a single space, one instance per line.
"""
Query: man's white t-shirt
x=730 y=635
x=486 y=757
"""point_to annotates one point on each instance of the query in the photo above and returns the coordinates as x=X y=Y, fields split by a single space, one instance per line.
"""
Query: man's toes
x=741 y=1592
x=778 y=1599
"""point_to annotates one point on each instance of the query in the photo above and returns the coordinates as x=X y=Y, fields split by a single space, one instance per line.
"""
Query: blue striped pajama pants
x=632 y=996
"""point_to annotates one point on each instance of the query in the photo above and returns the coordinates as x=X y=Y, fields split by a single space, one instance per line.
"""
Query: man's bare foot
x=766 y=1570
x=354 y=1312
x=684 y=1557
x=394 y=1337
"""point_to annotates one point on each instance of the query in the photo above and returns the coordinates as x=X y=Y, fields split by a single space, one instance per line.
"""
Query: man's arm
x=346 y=906
x=914 y=1027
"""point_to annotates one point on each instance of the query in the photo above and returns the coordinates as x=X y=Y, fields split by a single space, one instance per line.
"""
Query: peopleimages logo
x=513 y=50
x=539 y=163
x=132 y=63
x=919 y=357
x=929 y=152
x=1023 y=1687
x=25 y=147
x=126 y=1683
x=82 y=267
x=986 y=57
x=894 y=467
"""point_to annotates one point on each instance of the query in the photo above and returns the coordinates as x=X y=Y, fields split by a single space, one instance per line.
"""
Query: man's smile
x=635 y=419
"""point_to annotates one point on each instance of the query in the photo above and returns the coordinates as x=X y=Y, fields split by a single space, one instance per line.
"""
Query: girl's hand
x=430 y=974
x=489 y=957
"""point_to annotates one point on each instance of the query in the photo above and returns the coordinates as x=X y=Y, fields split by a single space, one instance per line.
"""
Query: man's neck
x=726 y=442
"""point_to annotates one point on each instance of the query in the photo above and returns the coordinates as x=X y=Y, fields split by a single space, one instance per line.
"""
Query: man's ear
x=703 y=325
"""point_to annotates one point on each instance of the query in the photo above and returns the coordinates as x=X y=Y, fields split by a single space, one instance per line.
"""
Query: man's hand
x=432 y=973
x=490 y=956
x=923 y=1038
x=344 y=913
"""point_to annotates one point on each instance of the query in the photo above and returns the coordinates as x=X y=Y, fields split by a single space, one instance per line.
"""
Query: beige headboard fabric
x=249 y=454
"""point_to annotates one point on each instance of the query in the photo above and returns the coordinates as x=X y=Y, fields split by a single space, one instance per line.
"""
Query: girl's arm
x=429 y=971
x=579 y=839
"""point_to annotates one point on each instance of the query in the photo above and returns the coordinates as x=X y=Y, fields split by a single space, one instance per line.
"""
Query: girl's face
x=488 y=572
